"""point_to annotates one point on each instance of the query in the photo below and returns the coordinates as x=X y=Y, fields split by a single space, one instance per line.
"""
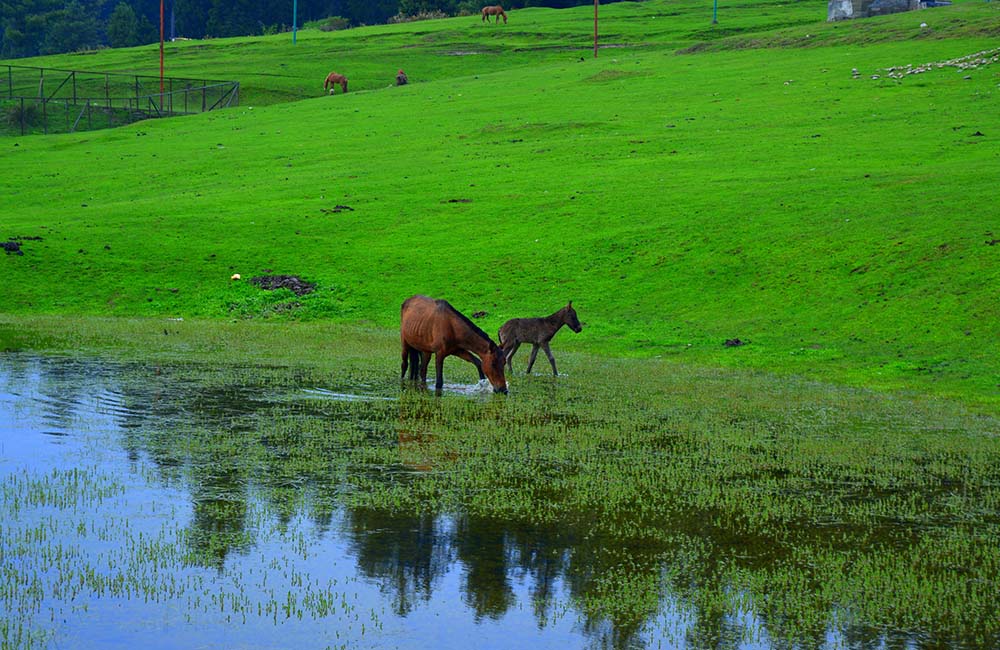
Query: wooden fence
x=48 y=100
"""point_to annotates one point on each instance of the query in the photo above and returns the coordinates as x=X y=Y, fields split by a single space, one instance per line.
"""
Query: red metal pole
x=595 y=27
x=161 y=51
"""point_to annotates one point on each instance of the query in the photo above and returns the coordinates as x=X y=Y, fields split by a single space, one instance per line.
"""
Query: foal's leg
x=471 y=358
x=510 y=355
x=552 y=359
x=406 y=361
x=531 y=359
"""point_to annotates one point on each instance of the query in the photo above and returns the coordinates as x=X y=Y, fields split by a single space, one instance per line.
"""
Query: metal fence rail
x=46 y=99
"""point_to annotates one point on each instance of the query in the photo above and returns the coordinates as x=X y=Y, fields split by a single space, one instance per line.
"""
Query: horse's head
x=493 y=361
x=569 y=317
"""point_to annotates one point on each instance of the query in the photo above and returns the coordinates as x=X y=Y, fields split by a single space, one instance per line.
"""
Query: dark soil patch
x=294 y=283
x=734 y=343
x=337 y=209
x=12 y=248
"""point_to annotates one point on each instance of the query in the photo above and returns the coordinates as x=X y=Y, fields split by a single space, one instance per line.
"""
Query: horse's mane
x=475 y=328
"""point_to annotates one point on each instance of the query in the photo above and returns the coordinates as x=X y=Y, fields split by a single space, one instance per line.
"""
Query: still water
x=134 y=515
x=171 y=549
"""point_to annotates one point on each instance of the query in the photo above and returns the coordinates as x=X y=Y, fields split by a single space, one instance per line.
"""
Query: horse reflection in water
x=429 y=326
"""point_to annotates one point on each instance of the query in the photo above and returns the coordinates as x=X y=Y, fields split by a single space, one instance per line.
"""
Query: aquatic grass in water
x=635 y=502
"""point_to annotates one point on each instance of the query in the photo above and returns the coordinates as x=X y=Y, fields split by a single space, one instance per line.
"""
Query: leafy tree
x=23 y=23
x=370 y=12
x=123 y=27
x=415 y=7
x=147 y=33
x=234 y=18
x=190 y=18
x=70 y=30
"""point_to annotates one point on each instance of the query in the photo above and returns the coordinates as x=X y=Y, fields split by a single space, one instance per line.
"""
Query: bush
x=330 y=24
x=423 y=15
x=19 y=113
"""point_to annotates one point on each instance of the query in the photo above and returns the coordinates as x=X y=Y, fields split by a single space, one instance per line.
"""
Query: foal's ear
x=569 y=304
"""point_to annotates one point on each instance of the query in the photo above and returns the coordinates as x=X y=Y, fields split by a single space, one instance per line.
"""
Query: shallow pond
x=165 y=506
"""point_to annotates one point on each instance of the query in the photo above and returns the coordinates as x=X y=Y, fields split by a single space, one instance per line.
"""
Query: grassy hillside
x=750 y=187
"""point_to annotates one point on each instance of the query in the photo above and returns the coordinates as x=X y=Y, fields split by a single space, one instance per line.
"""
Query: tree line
x=38 y=27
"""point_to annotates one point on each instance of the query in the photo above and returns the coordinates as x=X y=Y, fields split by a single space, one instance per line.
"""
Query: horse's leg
x=439 y=371
x=414 y=364
x=406 y=361
x=471 y=358
x=531 y=359
x=425 y=360
x=510 y=355
x=552 y=359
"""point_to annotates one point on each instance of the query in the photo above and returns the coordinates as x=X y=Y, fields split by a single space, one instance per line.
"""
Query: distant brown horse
x=538 y=332
x=434 y=326
x=334 y=78
x=494 y=10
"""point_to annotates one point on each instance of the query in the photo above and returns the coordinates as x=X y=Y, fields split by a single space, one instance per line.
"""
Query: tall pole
x=595 y=27
x=161 y=52
x=295 y=15
x=715 y=12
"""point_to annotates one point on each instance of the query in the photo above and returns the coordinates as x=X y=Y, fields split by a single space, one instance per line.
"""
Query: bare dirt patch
x=294 y=283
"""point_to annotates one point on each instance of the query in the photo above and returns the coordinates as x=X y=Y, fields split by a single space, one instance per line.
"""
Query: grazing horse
x=332 y=79
x=494 y=10
x=538 y=332
x=434 y=326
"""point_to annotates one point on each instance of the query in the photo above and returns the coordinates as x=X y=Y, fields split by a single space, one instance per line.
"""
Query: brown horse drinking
x=494 y=10
x=434 y=326
x=538 y=332
x=332 y=79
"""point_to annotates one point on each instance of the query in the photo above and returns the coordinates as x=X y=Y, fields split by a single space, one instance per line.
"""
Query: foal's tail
x=503 y=334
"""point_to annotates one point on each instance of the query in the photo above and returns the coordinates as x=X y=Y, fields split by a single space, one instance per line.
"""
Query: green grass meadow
x=692 y=184
x=750 y=188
